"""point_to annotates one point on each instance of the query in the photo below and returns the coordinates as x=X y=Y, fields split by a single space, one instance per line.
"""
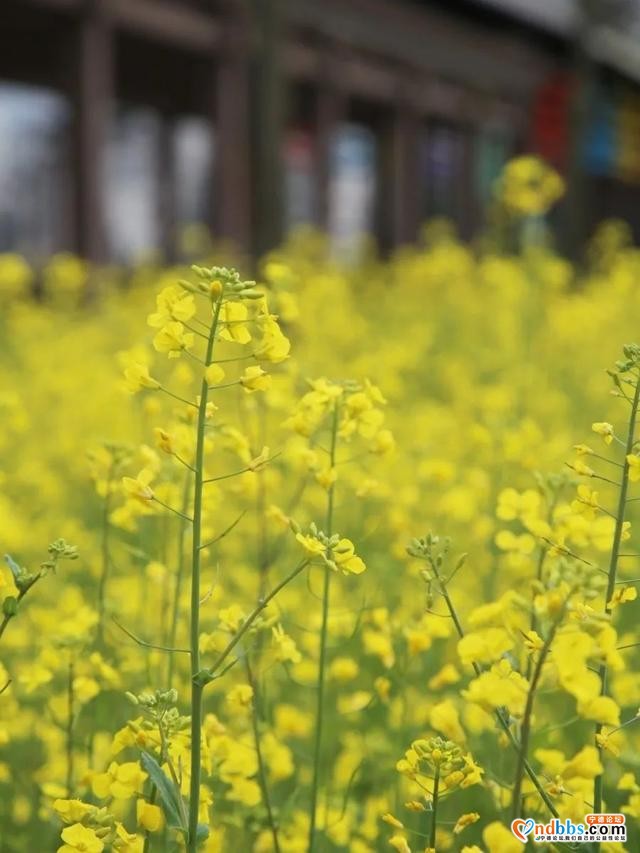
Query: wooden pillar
x=402 y=182
x=268 y=123
x=331 y=110
x=230 y=120
x=94 y=92
x=468 y=206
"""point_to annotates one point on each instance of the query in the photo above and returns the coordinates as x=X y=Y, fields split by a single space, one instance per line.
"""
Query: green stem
x=525 y=729
x=70 y=721
x=9 y=616
x=612 y=576
x=179 y=577
x=315 y=784
x=434 y=813
x=102 y=588
x=262 y=772
x=196 y=688
x=257 y=610
x=533 y=624
x=166 y=756
x=147 y=836
x=502 y=721
x=261 y=504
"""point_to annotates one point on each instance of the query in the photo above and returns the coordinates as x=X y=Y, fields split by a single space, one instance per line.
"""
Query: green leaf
x=16 y=571
x=170 y=797
x=202 y=832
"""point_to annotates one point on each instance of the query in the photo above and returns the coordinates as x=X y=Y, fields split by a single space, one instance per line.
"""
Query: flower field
x=341 y=560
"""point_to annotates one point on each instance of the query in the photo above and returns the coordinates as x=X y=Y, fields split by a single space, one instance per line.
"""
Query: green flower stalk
x=434 y=809
x=630 y=365
x=25 y=580
x=177 y=591
x=70 y=724
x=446 y=763
x=317 y=748
x=352 y=410
x=104 y=555
x=430 y=550
x=194 y=634
x=227 y=298
x=262 y=771
x=106 y=463
x=525 y=728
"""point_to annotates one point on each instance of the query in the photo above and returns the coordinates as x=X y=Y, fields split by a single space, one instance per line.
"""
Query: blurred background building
x=123 y=121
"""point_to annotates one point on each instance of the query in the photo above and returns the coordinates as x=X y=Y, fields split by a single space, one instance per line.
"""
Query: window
x=132 y=183
x=35 y=171
x=194 y=153
x=352 y=188
x=443 y=170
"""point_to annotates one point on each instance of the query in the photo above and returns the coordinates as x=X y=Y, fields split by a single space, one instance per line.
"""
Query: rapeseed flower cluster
x=240 y=650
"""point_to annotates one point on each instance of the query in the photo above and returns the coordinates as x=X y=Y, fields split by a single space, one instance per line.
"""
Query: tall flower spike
x=626 y=373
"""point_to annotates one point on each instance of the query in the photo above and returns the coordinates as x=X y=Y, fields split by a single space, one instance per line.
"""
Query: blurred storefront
x=123 y=121
x=35 y=169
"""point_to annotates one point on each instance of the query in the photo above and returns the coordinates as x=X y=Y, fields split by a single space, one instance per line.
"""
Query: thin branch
x=260 y=606
x=345 y=799
x=605 y=480
x=233 y=358
x=262 y=770
x=598 y=507
x=239 y=471
x=224 y=532
x=567 y=551
x=183 y=462
x=195 y=331
x=194 y=357
x=224 y=385
x=171 y=509
x=604 y=459
x=178 y=397
x=146 y=644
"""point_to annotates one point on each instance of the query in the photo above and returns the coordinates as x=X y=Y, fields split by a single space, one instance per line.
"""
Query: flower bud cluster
x=159 y=710
x=438 y=756
x=214 y=281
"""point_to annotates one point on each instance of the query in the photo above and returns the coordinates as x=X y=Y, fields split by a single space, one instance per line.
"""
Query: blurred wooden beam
x=404 y=173
x=64 y=5
x=422 y=37
x=93 y=98
x=166 y=21
x=230 y=119
x=268 y=118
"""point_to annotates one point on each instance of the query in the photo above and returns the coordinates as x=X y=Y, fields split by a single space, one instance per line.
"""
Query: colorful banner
x=600 y=141
x=550 y=121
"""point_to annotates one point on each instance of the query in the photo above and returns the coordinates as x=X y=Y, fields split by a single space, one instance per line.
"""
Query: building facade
x=122 y=121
